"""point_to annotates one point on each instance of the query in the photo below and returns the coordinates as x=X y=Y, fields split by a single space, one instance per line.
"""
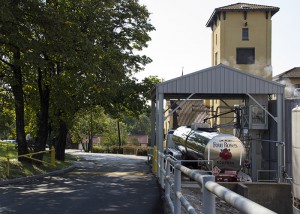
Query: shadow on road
x=100 y=184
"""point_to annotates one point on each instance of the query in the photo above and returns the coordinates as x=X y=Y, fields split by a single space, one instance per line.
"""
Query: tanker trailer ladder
x=210 y=189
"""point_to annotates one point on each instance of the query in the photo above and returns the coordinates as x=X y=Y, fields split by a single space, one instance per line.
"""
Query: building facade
x=291 y=80
x=242 y=37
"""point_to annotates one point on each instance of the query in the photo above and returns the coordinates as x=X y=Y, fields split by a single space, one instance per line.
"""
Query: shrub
x=142 y=151
x=129 y=150
x=99 y=149
x=116 y=150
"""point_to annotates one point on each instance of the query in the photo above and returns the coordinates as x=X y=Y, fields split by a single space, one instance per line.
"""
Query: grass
x=23 y=169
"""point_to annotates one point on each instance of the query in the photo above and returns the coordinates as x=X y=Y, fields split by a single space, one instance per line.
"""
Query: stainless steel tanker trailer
x=226 y=152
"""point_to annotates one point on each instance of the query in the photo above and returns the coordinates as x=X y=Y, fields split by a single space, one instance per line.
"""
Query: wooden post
x=52 y=161
x=7 y=168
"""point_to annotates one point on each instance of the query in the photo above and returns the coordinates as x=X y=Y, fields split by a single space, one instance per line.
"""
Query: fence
x=170 y=171
x=30 y=156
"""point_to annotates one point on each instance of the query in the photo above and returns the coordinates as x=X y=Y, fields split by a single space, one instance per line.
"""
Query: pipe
x=239 y=202
x=189 y=208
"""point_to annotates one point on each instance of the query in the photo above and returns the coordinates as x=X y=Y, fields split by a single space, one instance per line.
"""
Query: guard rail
x=170 y=180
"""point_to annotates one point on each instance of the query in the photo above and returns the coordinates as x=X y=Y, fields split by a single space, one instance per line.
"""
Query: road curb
x=18 y=180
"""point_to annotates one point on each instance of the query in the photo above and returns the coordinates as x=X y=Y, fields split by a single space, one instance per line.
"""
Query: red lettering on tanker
x=225 y=154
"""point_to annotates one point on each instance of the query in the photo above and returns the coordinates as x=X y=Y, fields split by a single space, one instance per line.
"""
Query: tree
x=77 y=51
x=7 y=116
x=114 y=30
x=89 y=122
x=140 y=125
x=149 y=84
x=13 y=44
x=110 y=133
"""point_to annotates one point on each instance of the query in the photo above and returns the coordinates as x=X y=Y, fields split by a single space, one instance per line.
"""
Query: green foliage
x=135 y=150
x=110 y=134
x=64 y=56
x=99 y=149
x=19 y=169
x=135 y=142
x=7 y=150
x=140 y=125
x=127 y=150
x=89 y=122
x=7 y=125
x=7 y=116
x=142 y=151
x=148 y=85
x=108 y=149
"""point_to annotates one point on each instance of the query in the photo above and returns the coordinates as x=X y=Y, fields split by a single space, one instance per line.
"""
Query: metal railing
x=210 y=189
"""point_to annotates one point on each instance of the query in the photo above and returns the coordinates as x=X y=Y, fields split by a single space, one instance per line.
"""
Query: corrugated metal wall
x=192 y=111
x=270 y=149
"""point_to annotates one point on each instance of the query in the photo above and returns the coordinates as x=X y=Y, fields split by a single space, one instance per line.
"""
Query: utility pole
x=119 y=135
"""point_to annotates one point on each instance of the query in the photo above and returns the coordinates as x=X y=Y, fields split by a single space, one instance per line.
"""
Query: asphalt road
x=103 y=183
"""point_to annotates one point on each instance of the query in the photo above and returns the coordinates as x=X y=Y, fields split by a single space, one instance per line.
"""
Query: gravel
x=193 y=194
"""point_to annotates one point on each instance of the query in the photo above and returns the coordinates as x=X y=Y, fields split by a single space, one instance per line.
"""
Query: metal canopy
x=217 y=82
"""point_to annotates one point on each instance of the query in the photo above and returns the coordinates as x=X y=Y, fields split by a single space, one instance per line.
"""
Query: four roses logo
x=225 y=154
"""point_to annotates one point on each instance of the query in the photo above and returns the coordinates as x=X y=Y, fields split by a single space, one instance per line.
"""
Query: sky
x=182 y=42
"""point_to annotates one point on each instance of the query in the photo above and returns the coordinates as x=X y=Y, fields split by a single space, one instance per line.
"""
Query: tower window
x=245 y=55
x=245 y=34
x=245 y=15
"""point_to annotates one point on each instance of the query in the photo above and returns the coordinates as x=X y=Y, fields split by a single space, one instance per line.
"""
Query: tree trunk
x=119 y=135
x=90 y=144
x=43 y=117
x=17 y=88
x=83 y=146
x=61 y=141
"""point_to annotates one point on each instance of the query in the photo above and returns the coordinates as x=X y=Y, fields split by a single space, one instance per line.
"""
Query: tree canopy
x=59 y=56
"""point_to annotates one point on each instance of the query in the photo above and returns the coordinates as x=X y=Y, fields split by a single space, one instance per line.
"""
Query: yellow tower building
x=241 y=37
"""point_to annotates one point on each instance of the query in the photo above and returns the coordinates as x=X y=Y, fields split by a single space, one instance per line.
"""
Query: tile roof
x=292 y=73
x=240 y=7
x=246 y=6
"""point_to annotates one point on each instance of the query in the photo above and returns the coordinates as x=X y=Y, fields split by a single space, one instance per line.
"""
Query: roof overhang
x=219 y=81
x=240 y=7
